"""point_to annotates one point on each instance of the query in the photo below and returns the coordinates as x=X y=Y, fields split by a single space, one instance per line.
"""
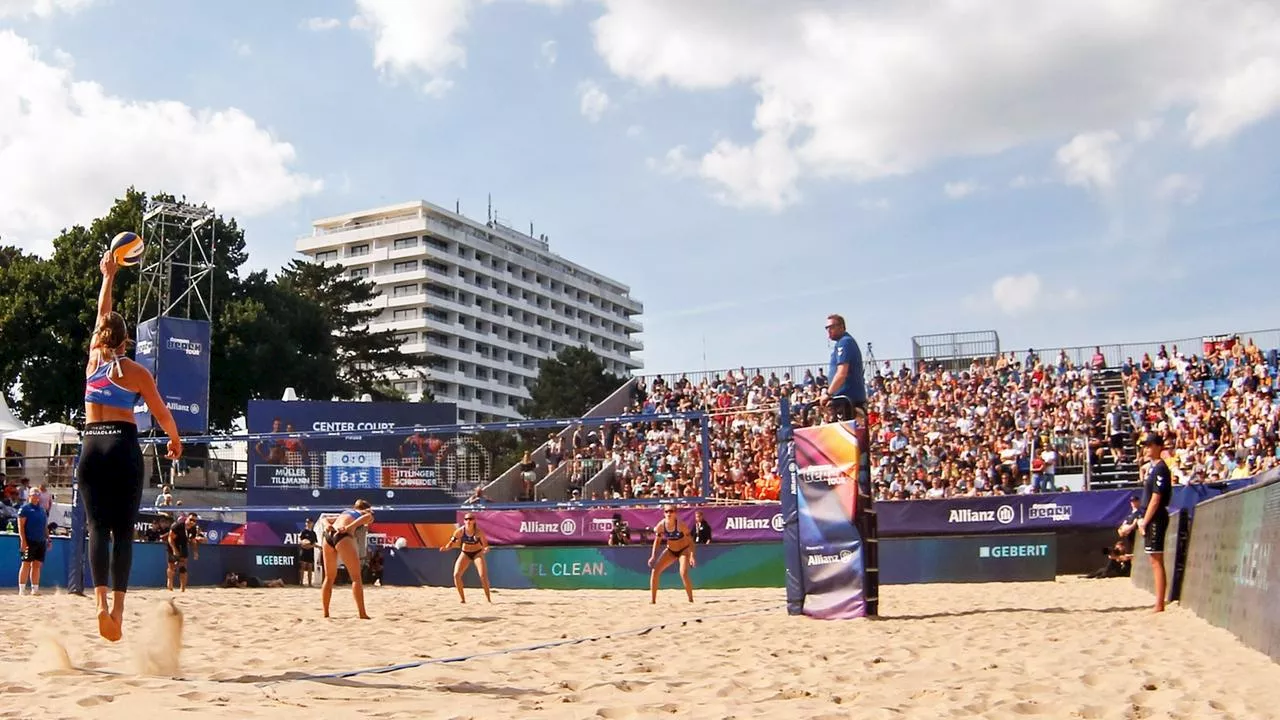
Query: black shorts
x=1153 y=536
x=843 y=408
x=175 y=558
x=34 y=552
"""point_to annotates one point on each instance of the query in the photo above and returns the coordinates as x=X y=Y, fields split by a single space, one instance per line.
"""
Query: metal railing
x=1115 y=354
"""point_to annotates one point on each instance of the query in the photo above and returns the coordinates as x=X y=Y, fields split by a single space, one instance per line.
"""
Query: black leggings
x=110 y=482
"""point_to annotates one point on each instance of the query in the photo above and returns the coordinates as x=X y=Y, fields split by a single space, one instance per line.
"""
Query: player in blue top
x=340 y=544
x=33 y=540
x=109 y=474
x=1157 y=490
x=680 y=548
x=471 y=539
x=847 y=385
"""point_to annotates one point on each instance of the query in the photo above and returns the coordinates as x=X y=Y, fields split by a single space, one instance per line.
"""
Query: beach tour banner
x=176 y=352
x=824 y=552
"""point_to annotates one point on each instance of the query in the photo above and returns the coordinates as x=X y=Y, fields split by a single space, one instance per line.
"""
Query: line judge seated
x=847 y=389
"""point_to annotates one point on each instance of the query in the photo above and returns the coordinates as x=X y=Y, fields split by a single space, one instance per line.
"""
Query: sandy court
x=1069 y=649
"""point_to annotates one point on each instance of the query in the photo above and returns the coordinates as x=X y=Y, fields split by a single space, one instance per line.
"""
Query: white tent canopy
x=51 y=434
x=7 y=421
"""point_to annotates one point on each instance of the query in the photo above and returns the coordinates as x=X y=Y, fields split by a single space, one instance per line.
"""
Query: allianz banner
x=747 y=523
x=176 y=352
x=1005 y=513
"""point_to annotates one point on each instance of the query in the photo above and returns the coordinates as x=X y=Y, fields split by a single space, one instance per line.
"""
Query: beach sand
x=1067 y=649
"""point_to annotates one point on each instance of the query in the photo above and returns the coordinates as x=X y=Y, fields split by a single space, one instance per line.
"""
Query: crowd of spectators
x=1009 y=424
x=1217 y=409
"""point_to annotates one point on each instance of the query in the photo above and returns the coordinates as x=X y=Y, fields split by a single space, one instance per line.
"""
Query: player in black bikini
x=340 y=544
x=474 y=545
x=680 y=546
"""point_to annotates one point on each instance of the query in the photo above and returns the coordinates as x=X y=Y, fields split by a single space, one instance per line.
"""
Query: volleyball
x=127 y=248
x=401 y=543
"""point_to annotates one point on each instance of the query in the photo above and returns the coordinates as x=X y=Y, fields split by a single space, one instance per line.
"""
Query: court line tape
x=511 y=651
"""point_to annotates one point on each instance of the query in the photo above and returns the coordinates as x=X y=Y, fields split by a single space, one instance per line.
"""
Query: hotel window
x=406 y=386
x=404 y=338
x=327 y=256
x=404 y=314
x=405 y=266
x=404 y=243
x=360 y=272
x=404 y=290
x=358 y=250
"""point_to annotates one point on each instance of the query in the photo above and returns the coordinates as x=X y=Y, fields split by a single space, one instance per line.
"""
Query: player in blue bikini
x=339 y=544
x=680 y=547
x=470 y=538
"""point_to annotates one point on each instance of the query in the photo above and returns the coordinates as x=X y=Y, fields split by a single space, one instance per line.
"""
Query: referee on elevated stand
x=846 y=399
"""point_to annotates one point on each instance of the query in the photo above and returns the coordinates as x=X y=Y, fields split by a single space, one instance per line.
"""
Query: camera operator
x=620 y=534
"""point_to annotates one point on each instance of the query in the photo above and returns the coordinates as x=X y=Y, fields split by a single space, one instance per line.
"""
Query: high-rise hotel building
x=483 y=301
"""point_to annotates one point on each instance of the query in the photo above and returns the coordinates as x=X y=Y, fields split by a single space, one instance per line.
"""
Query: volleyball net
x=417 y=477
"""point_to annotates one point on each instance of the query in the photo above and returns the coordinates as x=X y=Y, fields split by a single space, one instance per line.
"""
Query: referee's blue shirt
x=846 y=352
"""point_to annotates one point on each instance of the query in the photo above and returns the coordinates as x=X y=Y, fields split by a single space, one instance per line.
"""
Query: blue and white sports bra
x=100 y=389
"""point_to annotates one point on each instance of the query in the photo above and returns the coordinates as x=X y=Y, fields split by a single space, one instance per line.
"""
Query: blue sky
x=1065 y=174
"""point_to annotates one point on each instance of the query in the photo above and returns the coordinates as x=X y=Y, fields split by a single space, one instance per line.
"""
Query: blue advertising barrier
x=969 y=558
x=176 y=352
x=150 y=562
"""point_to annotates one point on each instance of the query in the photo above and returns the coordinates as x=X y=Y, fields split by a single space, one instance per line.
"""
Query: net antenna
x=177 y=280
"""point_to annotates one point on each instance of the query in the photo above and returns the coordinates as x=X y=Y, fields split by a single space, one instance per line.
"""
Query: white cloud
x=1179 y=188
x=1092 y=160
x=415 y=40
x=592 y=101
x=39 y=8
x=1243 y=98
x=1025 y=294
x=957 y=190
x=920 y=83
x=548 y=52
x=68 y=149
x=874 y=203
x=241 y=48
x=321 y=24
x=634 y=130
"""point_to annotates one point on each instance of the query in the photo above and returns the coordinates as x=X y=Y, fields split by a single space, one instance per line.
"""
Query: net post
x=706 y=455
x=791 y=552
x=73 y=559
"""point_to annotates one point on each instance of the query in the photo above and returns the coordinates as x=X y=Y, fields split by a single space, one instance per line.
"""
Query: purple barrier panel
x=1005 y=513
x=747 y=523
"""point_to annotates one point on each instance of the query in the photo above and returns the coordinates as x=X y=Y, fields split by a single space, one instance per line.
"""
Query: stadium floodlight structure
x=177 y=279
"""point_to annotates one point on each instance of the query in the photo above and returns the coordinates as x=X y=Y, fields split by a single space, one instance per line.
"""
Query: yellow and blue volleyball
x=127 y=248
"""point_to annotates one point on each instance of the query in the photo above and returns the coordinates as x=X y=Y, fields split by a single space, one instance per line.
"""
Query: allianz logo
x=193 y=408
x=1003 y=515
x=744 y=523
x=567 y=526
x=824 y=559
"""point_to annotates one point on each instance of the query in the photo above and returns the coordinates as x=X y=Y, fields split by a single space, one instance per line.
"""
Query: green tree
x=569 y=385
x=362 y=356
